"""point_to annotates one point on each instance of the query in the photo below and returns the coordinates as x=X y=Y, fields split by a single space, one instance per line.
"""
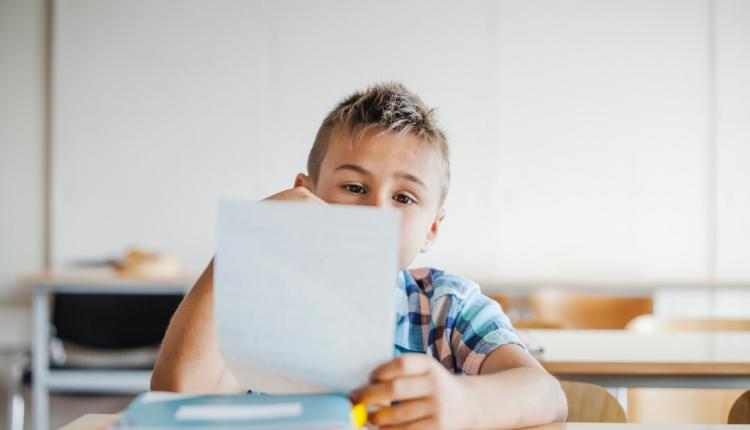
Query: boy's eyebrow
x=365 y=172
x=355 y=168
x=412 y=178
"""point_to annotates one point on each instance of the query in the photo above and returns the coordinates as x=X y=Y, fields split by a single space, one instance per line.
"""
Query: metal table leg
x=40 y=357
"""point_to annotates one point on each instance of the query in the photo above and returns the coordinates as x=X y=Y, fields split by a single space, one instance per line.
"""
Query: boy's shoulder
x=435 y=284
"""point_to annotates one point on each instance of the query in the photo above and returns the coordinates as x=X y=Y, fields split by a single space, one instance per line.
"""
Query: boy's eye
x=403 y=199
x=355 y=188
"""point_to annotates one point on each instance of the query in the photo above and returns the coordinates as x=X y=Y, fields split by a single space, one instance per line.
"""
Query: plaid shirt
x=447 y=316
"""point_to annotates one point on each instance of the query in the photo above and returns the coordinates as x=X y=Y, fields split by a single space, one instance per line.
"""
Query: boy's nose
x=378 y=200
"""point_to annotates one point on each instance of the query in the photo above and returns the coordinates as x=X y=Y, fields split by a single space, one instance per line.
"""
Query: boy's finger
x=396 y=390
x=405 y=365
x=429 y=423
x=404 y=412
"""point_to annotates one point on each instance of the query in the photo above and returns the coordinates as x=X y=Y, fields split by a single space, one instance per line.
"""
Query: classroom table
x=103 y=422
x=621 y=358
x=88 y=281
x=611 y=358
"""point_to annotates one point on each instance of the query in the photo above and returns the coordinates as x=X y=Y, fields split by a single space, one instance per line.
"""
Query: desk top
x=604 y=287
x=102 y=422
x=627 y=352
x=105 y=280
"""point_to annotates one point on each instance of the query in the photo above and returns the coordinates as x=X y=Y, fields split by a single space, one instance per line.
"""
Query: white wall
x=598 y=167
x=22 y=77
x=166 y=109
x=582 y=130
x=733 y=138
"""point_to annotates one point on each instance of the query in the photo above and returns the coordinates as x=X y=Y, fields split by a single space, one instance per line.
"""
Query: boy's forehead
x=402 y=150
x=388 y=155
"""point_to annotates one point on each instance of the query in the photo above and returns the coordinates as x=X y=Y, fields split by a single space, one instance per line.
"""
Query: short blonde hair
x=387 y=107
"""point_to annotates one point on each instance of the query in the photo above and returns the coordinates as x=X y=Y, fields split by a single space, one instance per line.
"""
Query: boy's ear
x=433 y=233
x=302 y=180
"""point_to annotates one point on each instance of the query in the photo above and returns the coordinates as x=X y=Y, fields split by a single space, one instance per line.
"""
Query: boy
x=459 y=364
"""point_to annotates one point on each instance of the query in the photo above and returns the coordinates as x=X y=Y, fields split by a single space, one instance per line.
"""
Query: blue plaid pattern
x=447 y=316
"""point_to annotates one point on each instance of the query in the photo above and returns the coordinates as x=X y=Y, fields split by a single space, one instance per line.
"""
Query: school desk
x=103 y=422
x=610 y=358
x=46 y=285
x=621 y=358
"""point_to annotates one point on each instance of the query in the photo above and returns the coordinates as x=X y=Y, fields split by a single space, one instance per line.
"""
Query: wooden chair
x=506 y=302
x=536 y=324
x=684 y=406
x=589 y=403
x=512 y=307
x=740 y=412
x=586 y=311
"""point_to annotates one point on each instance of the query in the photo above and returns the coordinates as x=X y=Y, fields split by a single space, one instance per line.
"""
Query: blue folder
x=159 y=410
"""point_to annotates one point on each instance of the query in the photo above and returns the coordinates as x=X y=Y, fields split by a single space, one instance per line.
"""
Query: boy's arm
x=532 y=395
x=189 y=360
x=512 y=391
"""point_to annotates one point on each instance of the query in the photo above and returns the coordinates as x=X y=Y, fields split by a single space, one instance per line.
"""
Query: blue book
x=161 y=410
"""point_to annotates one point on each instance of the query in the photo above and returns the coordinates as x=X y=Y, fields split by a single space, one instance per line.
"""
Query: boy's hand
x=296 y=194
x=429 y=397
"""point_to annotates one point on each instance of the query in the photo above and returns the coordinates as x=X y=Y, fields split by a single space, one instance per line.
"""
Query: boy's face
x=387 y=170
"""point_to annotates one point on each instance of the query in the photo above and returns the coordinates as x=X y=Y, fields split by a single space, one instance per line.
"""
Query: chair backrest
x=589 y=403
x=653 y=324
x=587 y=311
x=506 y=302
x=536 y=324
x=511 y=307
x=740 y=412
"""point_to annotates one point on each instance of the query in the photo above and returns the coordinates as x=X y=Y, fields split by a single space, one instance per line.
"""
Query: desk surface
x=102 y=422
x=626 y=352
x=105 y=281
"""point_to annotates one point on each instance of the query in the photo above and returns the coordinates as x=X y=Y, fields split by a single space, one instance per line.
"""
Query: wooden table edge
x=660 y=368
x=92 y=422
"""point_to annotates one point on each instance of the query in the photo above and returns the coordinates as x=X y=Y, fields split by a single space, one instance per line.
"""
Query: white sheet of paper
x=304 y=294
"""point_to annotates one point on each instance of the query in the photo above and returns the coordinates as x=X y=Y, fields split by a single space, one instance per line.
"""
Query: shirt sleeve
x=480 y=327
